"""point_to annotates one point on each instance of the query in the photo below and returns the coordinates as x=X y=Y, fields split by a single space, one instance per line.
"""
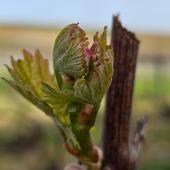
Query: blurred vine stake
x=119 y=153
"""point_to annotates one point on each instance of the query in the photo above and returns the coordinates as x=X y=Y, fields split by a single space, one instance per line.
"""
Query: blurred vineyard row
x=29 y=140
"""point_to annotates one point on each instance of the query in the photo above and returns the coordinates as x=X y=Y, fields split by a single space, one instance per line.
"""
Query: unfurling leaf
x=68 y=55
x=29 y=73
x=86 y=71
x=73 y=95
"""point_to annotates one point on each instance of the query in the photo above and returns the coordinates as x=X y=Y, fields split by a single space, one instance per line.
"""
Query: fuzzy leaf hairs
x=72 y=96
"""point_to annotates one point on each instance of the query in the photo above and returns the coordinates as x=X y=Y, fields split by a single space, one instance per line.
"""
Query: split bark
x=117 y=152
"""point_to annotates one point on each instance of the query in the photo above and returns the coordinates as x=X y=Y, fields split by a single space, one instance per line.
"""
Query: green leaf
x=89 y=70
x=32 y=98
x=29 y=73
x=93 y=87
x=59 y=102
x=68 y=55
x=73 y=96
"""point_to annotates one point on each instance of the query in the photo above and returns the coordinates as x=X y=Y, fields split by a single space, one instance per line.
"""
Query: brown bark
x=116 y=147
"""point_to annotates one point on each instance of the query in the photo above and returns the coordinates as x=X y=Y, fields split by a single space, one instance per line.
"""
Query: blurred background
x=29 y=139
